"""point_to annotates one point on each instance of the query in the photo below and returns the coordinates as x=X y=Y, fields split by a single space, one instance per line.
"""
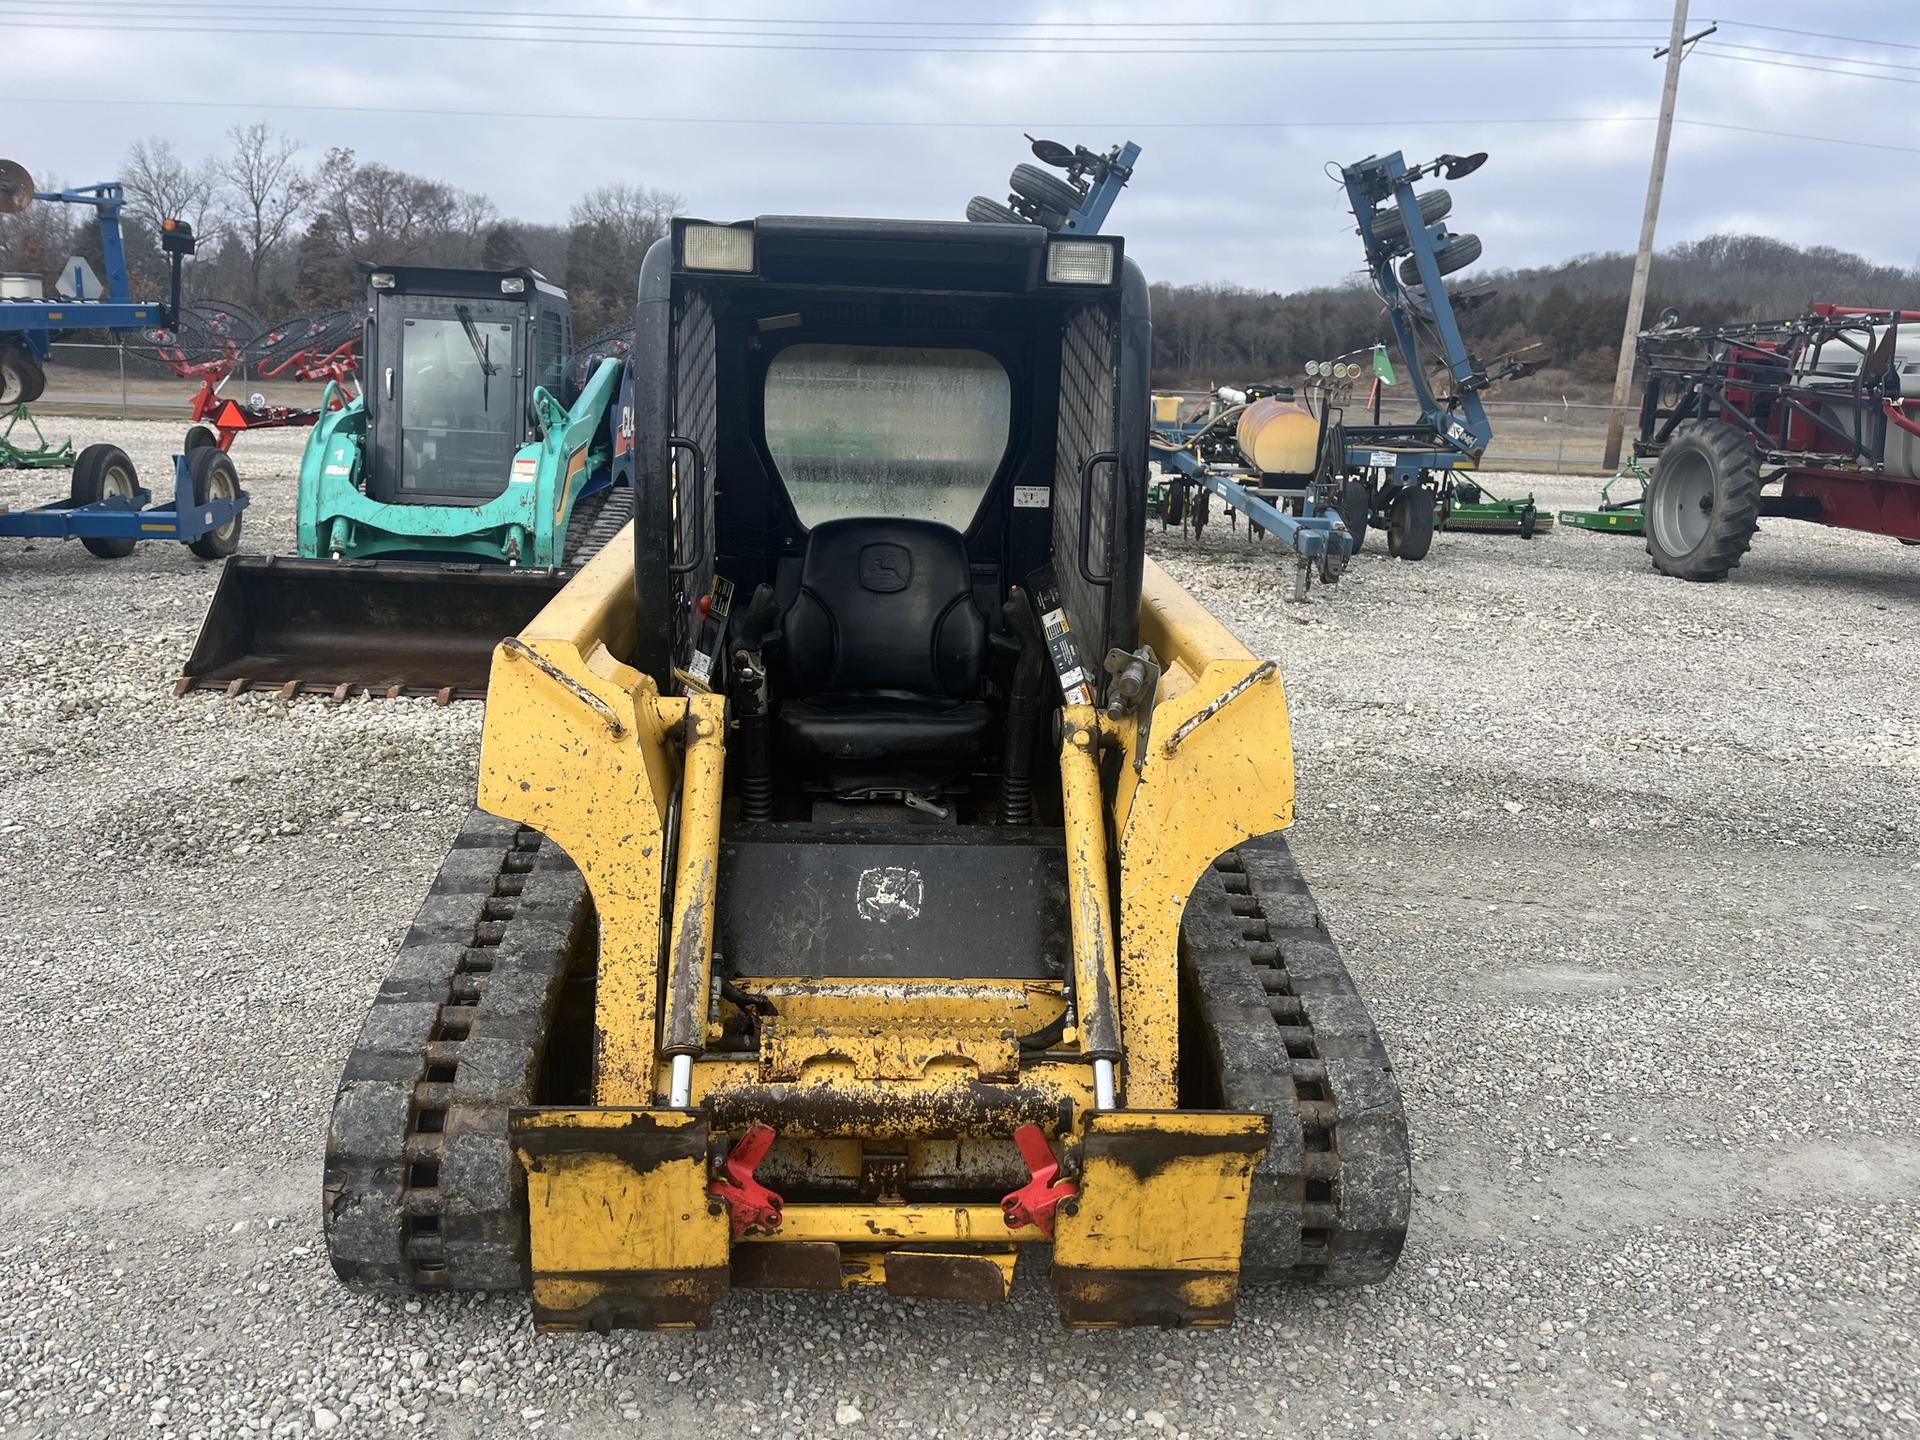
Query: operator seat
x=883 y=649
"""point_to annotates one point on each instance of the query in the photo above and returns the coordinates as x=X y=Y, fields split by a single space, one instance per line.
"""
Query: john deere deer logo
x=885 y=568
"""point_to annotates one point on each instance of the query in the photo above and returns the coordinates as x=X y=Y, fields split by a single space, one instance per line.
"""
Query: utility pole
x=1643 y=258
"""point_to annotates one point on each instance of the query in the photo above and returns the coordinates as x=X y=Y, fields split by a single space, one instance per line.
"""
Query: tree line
x=1568 y=316
x=284 y=231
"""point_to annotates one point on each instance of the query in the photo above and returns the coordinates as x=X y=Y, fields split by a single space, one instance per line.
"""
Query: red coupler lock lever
x=750 y=1205
x=1032 y=1204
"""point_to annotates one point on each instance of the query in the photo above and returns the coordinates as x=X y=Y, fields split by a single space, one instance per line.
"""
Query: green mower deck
x=1486 y=514
x=43 y=455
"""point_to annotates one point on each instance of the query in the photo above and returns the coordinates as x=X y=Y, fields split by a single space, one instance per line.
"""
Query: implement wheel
x=1047 y=191
x=1410 y=524
x=1455 y=254
x=198 y=437
x=1356 y=498
x=1703 y=503
x=33 y=380
x=1390 y=230
x=983 y=211
x=13 y=375
x=104 y=472
x=214 y=478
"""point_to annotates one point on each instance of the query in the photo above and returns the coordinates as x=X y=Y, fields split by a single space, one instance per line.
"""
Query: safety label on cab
x=524 y=468
x=1032 y=497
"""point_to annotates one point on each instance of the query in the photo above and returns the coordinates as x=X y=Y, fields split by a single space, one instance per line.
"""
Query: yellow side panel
x=574 y=744
x=1218 y=770
x=621 y=1230
x=1154 y=1237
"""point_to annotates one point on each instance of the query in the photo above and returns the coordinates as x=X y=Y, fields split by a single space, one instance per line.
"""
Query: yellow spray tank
x=1278 y=437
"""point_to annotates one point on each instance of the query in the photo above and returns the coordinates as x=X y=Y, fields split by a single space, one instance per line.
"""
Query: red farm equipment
x=208 y=347
x=1815 y=418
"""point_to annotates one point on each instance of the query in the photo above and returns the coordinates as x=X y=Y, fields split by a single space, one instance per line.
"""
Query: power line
x=610 y=17
x=535 y=32
x=1794 y=135
x=231 y=28
x=783 y=122
x=1723 y=47
x=1824 y=35
x=578 y=117
x=1714 y=53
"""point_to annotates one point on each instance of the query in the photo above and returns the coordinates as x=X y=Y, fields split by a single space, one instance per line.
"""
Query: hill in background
x=1221 y=334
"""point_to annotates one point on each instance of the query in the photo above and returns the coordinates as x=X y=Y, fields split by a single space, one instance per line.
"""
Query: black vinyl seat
x=883 y=650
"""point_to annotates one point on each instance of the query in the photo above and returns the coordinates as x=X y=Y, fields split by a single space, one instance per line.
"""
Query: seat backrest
x=884 y=605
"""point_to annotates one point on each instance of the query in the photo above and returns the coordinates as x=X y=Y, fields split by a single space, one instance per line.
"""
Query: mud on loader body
x=925 y=905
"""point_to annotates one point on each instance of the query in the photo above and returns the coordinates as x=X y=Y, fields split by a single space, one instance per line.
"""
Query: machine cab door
x=450 y=403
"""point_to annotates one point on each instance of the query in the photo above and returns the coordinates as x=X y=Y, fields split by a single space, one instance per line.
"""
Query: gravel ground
x=1627 y=866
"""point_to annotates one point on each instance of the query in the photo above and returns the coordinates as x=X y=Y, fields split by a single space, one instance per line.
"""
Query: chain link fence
x=1562 y=437
x=125 y=382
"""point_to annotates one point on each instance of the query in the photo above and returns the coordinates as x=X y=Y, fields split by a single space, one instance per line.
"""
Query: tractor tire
x=1410 y=524
x=1047 y=191
x=1356 y=499
x=214 y=477
x=13 y=375
x=100 y=472
x=1390 y=230
x=1456 y=253
x=199 y=437
x=1703 y=503
x=33 y=380
x=983 y=211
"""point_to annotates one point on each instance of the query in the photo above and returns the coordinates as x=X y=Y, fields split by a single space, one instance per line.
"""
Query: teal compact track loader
x=440 y=507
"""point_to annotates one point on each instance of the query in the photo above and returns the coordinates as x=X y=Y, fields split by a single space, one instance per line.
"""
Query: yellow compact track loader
x=878 y=870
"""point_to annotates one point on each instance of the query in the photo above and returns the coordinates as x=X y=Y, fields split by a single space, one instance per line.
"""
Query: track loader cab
x=884 y=874
x=909 y=426
x=455 y=357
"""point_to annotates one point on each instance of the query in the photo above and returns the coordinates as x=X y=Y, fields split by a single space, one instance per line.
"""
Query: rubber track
x=421 y=1190
x=1289 y=1035
x=595 y=521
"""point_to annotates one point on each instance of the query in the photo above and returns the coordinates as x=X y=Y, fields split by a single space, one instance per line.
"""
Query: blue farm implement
x=440 y=508
x=109 y=511
x=29 y=320
x=1077 y=205
x=1299 y=469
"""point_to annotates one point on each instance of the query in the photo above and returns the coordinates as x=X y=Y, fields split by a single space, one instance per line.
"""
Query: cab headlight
x=717 y=247
x=1079 y=262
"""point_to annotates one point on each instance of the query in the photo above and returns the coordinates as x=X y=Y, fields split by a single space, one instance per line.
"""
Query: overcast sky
x=1230 y=186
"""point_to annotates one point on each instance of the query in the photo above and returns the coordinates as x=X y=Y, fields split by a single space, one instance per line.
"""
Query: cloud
x=1235 y=193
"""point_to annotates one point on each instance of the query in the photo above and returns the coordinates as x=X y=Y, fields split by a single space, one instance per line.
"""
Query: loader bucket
x=348 y=627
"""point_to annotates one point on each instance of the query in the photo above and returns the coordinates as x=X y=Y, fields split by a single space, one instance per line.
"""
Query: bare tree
x=389 y=216
x=611 y=228
x=162 y=186
x=634 y=216
x=267 y=191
